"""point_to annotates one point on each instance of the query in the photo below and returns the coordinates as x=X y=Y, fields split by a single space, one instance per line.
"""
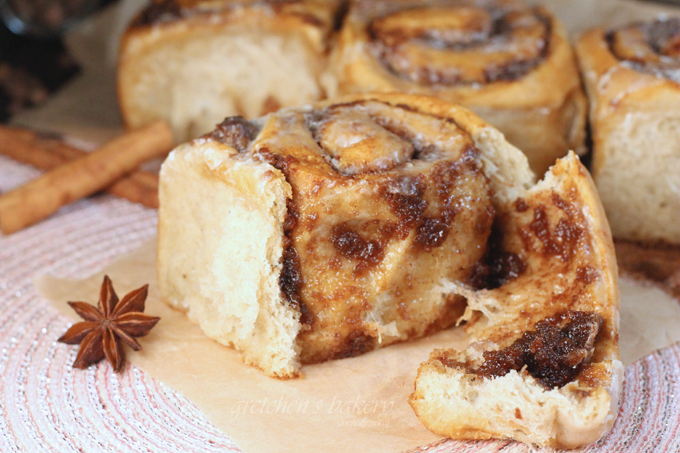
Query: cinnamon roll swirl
x=632 y=76
x=509 y=63
x=191 y=62
x=649 y=47
x=345 y=218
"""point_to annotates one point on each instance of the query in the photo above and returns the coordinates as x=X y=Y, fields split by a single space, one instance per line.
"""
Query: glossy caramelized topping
x=356 y=143
x=652 y=47
x=553 y=353
x=460 y=41
x=388 y=202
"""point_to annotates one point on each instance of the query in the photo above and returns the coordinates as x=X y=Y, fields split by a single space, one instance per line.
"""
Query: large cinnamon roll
x=509 y=63
x=632 y=76
x=324 y=232
x=321 y=233
x=191 y=62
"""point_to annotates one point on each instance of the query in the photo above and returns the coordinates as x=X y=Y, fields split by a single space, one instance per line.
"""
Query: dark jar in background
x=44 y=17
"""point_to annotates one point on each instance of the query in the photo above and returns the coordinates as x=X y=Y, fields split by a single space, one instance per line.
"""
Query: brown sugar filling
x=370 y=177
x=291 y=279
x=441 y=208
x=353 y=245
x=498 y=266
x=553 y=353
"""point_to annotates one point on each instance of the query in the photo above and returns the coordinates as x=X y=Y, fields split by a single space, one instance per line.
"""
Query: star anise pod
x=108 y=326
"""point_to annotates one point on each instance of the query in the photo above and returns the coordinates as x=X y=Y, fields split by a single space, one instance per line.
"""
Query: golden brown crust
x=549 y=94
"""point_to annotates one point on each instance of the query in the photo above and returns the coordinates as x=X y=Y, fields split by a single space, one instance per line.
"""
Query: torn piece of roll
x=191 y=62
x=632 y=76
x=544 y=365
x=511 y=64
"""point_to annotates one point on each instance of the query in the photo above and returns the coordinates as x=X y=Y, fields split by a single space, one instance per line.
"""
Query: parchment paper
x=338 y=406
x=344 y=405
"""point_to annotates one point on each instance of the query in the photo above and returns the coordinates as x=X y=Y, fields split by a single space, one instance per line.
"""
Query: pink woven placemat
x=45 y=405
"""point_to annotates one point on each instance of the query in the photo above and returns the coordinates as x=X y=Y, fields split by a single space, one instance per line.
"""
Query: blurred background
x=33 y=59
x=34 y=62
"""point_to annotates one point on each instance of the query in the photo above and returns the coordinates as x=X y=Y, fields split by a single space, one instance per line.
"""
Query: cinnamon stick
x=81 y=177
x=46 y=152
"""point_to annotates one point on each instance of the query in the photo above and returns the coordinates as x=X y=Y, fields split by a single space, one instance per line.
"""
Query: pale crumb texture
x=229 y=288
x=639 y=178
x=463 y=406
x=197 y=79
x=635 y=122
x=505 y=165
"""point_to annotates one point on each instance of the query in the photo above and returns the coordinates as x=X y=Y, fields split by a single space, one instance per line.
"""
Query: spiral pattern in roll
x=510 y=63
x=650 y=47
x=387 y=203
x=461 y=42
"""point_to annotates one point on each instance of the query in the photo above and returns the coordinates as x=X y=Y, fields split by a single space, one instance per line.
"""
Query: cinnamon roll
x=191 y=62
x=324 y=232
x=632 y=76
x=509 y=63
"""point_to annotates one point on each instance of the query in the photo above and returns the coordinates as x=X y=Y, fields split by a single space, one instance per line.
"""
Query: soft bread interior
x=506 y=166
x=230 y=288
x=641 y=174
x=635 y=122
x=195 y=79
x=514 y=406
